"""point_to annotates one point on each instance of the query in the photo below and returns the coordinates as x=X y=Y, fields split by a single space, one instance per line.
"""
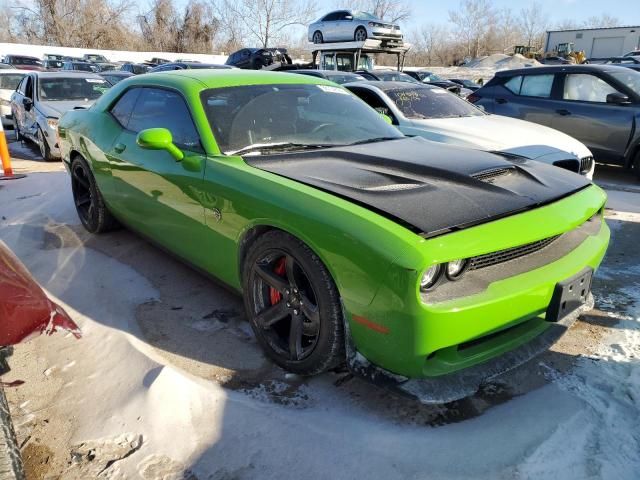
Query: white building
x=597 y=42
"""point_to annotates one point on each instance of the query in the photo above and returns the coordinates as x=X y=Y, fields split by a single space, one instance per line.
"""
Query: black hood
x=429 y=187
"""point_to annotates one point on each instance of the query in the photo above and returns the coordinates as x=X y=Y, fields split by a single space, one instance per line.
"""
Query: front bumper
x=384 y=33
x=422 y=340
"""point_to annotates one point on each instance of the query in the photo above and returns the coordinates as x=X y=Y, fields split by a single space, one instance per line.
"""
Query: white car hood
x=55 y=108
x=502 y=134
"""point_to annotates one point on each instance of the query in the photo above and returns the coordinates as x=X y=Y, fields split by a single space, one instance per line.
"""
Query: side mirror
x=159 y=139
x=618 y=98
x=28 y=103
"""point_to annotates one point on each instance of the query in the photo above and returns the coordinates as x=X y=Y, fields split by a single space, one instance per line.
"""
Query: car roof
x=584 y=68
x=386 y=85
x=67 y=74
x=117 y=73
x=14 y=71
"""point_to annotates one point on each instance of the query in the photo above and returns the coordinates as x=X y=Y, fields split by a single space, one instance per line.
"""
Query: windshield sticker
x=94 y=80
x=329 y=88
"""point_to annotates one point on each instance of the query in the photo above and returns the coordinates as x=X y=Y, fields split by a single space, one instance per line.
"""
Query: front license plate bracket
x=569 y=294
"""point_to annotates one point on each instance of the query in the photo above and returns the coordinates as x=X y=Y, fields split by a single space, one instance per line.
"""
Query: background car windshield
x=26 y=61
x=364 y=16
x=71 y=88
x=421 y=103
x=346 y=78
x=396 y=77
x=432 y=77
x=84 y=67
x=630 y=79
x=9 y=81
x=301 y=114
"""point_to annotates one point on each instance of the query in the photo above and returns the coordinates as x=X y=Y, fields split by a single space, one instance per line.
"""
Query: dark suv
x=597 y=104
x=257 y=58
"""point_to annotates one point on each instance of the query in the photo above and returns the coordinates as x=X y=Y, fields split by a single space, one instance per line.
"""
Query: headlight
x=455 y=268
x=430 y=277
x=53 y=123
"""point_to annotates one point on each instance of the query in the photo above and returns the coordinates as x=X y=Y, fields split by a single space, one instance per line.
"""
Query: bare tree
x=603 y=21
x=533 y=22
x=473 y=19
x=432 y=41
x=389 y=10
x=264 y=21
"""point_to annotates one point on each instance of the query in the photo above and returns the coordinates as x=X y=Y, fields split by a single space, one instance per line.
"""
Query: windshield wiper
x=372 y=140
x=278 y=147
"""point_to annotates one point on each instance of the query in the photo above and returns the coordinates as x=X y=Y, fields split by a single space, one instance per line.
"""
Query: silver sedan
x=350 y=25
x=42 y=97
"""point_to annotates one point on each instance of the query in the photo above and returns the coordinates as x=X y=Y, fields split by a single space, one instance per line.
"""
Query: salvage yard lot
x=168 y=381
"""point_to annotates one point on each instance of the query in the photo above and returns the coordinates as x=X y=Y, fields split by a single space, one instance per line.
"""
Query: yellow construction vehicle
x=527 y=51
x=568 y=52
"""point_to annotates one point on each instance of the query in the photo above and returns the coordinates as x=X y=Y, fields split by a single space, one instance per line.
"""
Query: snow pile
x=500 y=61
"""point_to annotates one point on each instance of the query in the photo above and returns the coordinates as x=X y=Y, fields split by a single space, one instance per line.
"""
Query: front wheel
x=317 y=37
x=93 y=212
x=293 y=305
x=360 y=34
x=45 y=151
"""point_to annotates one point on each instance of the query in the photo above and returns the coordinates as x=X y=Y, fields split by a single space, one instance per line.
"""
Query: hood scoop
x=489 y=176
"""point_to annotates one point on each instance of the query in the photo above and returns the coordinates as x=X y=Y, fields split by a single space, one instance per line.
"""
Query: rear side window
x=158 y=108
x=124 y=106
x=586 y=88
x=513 y=84
x=536 y=86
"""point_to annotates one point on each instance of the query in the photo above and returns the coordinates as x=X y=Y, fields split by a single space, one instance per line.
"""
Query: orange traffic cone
x=6 y=159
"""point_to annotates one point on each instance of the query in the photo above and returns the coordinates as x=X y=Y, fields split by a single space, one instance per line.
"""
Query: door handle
x=563 y=112
x=119 y=148
x=501 y=100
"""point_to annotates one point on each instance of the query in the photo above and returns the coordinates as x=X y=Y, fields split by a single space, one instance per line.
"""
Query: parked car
x=23 y=62
x=115 y=76
x=53 y=56
x=597 y=104
x=633 y=53
x=431 y=78
x=352 y=25
x=350 y=241
x=94 y=58
x=166 y=67
x=155 y=61
x=257 y=58
x=440 y=116
x=6 y=66
x=42 y=97
x=629 y=62
x=135 y=68
x=9 y=80
x=79 y=66
x=105 y=67
x=53 y=65
x=465 y=83
x=387 y=76
x=555 y=60
x=333 y=75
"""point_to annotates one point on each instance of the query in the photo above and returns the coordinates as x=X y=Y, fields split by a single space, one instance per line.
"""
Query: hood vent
x=489 y=176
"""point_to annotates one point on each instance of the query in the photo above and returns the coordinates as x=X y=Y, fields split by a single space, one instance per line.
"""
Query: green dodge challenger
x=426 y=267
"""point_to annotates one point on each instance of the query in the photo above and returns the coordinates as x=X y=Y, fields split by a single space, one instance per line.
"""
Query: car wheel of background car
x=45 y=152
x=10 y=460
x=93 y=212
x=317 y=37
x=293 y=305
x=360 y=35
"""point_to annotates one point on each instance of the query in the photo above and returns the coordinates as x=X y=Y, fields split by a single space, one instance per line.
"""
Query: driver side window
x=28 y=88
x=584 y=87
x=159 y=108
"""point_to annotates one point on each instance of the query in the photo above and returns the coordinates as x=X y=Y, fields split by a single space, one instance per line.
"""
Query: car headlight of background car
x=53 y=123
x=452 y=270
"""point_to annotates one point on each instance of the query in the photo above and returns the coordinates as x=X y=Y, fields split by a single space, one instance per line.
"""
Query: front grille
x=501 y=256
x=489 y=175
x=585 y=164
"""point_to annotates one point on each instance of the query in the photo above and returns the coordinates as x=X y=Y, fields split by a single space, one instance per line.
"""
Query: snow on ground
x=124 y=402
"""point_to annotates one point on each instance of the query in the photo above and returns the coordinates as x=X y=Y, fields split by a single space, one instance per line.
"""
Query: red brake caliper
x=279 y=269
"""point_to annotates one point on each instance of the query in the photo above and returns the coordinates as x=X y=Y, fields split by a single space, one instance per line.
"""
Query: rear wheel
x=317 y=37
x=16 y=130
x=45 y=151
x=293 y=305
x=93 y=212
x=360 y=34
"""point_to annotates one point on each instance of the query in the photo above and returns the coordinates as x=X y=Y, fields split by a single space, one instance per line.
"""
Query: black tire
x=45 y=151
x=636 y=165
x=93 y=212
x=293 y=305
x=16 y=131
x=10 y=461
x=360 y=35
x=317 y=37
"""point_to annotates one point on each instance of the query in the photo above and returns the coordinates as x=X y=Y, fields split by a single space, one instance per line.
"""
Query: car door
x=341 y=27
x=581 y=110
x=17 y=108
x=28 y=124
x=329 y=27
x=157 y=195
x=527 y=97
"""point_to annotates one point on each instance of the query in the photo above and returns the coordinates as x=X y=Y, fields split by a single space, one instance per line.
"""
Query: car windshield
x=9 y=81
x=345 y=78
x=423 y=103
x=295 y=115
x=26 y=61
x=396 y=77
x=630 y=78
x=138 y=69
x=432 y=77
x=71 y=88
x=83 y=67
x=364 y=16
